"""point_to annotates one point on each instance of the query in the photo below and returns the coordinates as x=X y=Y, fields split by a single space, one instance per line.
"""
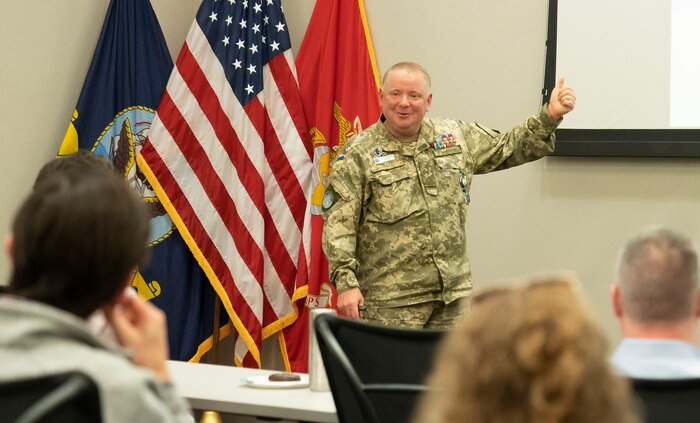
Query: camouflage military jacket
x=395 y=216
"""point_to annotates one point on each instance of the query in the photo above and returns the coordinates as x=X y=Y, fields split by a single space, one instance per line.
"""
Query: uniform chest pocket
x=394 y=192
x=449 y=158
x=452 y=174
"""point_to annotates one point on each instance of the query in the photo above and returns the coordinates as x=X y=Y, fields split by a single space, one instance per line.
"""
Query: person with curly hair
x=527 y=353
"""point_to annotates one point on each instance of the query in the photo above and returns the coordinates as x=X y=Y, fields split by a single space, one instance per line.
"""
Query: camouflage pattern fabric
x=432 y=315
x=395 y=215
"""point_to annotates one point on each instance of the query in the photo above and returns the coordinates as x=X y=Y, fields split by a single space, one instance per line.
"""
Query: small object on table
x=284 y=377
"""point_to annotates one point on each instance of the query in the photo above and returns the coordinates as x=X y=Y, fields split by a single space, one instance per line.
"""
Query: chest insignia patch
x=381 y=156
x=444 y=141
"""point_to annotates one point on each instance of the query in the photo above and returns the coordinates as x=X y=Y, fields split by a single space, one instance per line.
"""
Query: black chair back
x=59 y=398
x=375 y=373
x=670 y=400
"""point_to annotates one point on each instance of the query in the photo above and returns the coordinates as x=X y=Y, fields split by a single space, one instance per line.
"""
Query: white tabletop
x=219 y=388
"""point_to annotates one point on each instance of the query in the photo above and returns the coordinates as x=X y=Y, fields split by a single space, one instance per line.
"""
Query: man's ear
x=697 y=304
x=616 y=300
x=10 y=246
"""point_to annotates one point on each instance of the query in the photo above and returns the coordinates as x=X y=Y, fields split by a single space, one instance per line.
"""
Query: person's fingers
x=560 y=83
x=568 y=101
x=350 y=310
x=136 y=306
x=122 y=324
x=353 y=313
x=566 y=92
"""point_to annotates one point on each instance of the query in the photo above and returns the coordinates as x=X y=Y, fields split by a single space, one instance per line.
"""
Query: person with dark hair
x=74 y=166
x=523 y=354
x=657 y=302
x=75 y=242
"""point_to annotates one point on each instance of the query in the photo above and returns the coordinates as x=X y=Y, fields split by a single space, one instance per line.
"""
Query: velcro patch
x=330 y=197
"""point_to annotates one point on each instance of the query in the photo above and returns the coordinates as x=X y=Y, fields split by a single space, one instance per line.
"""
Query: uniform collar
x=390 y=144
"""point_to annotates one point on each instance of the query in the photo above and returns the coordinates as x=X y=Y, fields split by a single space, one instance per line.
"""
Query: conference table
x=220 y=388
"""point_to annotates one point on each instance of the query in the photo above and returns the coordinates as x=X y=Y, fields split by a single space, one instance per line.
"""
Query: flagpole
x=215 y=335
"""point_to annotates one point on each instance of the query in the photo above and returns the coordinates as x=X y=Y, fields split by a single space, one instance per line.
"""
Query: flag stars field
x=257 y=40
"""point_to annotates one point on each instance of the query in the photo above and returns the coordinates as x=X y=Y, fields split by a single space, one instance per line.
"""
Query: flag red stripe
x=215 y=189
x=195 y=228
x=277 y=159
x=208 y=101
x=275 y=248
x=273 y=242
x=196 y=80
x=289 y=91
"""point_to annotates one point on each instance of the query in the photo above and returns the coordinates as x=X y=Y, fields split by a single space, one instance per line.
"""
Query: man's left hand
x=562 y=100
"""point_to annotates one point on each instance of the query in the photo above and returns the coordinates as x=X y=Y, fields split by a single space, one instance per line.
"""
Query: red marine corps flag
x=229 y=157
x=339 y=86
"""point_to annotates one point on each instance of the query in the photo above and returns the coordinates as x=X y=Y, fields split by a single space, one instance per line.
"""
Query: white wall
x=487 y=64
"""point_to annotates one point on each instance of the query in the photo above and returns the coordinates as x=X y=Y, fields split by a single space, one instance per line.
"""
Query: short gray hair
x=658 y=276
x=410 y=66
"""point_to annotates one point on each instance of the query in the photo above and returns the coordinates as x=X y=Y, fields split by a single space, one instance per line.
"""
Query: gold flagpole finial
x=210 y=417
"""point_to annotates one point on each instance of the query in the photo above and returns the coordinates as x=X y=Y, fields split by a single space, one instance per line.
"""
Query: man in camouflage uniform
x=395 y=208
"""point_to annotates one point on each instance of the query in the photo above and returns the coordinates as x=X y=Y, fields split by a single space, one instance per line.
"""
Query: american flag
x=229 y=157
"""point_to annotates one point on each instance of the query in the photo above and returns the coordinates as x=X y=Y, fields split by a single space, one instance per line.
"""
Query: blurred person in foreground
x=75 y=242
x=657 y=303
x=73 y=168
x=526 y=354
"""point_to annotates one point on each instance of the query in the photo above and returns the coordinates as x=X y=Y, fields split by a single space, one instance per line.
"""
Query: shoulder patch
x=330 y=197
x=339 y=160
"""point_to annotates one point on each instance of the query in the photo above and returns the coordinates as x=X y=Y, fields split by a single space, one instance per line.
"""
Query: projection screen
x=635 y=67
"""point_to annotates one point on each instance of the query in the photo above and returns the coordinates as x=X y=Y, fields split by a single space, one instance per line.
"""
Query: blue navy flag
x=123 y=86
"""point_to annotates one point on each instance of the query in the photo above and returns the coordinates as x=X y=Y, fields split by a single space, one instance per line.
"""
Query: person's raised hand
x=561 y=101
